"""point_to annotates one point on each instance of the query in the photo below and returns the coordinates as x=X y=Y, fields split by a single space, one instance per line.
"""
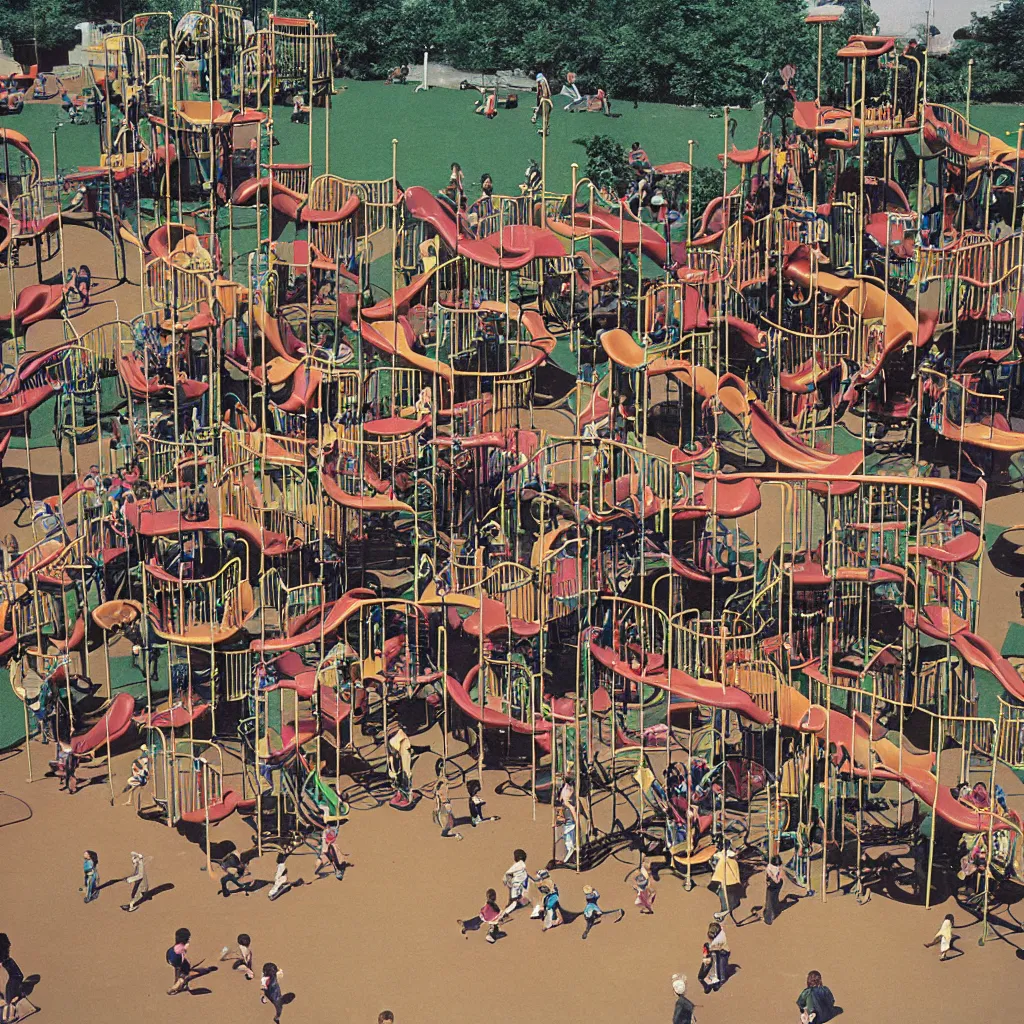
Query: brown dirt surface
x=387 y=936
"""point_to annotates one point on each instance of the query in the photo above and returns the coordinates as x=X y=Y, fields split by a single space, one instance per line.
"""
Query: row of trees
x=700 y=52
x=995 y=42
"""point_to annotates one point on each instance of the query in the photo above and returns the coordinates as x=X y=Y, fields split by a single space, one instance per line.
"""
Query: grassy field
x=438 y=127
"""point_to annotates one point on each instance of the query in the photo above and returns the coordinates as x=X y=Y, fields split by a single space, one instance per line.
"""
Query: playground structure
x=694 y=515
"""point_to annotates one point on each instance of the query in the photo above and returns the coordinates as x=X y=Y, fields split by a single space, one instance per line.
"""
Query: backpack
x=174 y=959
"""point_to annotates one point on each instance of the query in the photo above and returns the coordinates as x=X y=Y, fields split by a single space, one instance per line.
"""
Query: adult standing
x=543 y=90
x=90 y=875
x=444 y=816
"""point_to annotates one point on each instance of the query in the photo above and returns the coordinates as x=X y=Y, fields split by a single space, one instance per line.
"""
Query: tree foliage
x=607 y=163
x=701 y=52
x=995 y=42
x=51 y=23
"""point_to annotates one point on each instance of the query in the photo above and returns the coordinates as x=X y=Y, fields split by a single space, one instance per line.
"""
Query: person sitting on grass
x=487 y=104
x=572 y=91
x=637 y=157
x=533 y=179
x=543 y=92
x=69 y=104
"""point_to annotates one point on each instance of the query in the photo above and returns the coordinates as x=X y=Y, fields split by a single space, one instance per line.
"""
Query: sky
x=949 y=15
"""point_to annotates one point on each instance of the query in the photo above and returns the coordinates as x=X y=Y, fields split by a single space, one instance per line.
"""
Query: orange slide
x=20 y=142
x=871 y=302
x=789 y=451
x=487 y=715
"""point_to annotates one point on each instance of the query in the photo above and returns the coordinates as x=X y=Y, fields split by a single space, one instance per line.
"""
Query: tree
x=995 y=42
x=51 y=23
x=607 y=163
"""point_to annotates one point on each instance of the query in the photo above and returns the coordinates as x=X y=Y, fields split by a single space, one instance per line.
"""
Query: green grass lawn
x=438 y=127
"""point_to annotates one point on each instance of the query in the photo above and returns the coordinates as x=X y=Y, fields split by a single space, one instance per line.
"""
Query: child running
x=644 y=892
x=281 y=884
x=270 y=984
x=139 y=882
x=517 y=881
x=329 y=854
x=552 y=909
x=177 y=957
x=235 y=870
x=490 y=915
x=242 y=958
x=944 y=938
x=592 y=913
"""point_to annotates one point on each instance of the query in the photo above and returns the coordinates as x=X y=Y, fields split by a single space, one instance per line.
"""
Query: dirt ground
x=386 y=937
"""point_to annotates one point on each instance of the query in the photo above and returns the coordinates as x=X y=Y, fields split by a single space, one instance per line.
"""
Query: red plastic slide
x=112 y=726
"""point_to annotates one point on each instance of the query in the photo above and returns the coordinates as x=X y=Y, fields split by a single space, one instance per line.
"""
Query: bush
x=607 y=164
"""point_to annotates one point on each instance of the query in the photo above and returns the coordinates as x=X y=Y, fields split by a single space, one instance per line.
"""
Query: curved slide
x=871 y=302
x=788 y=450
x=170 y=523
x=487 y=716
x=112 y=726
x=229 y=802
x=323 y=621
x=979 y=653
x=681 y=684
